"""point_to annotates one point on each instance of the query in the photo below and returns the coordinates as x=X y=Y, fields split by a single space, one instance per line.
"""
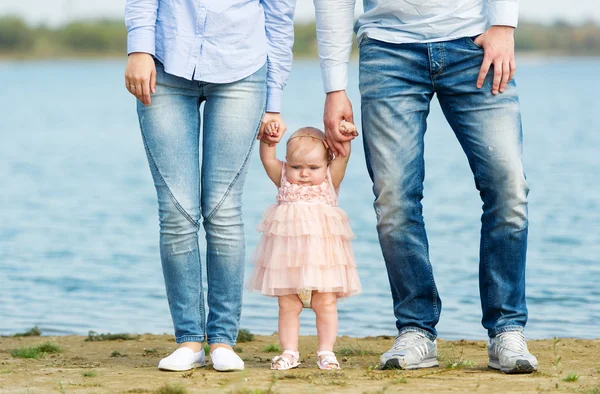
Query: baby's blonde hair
x=303 y=141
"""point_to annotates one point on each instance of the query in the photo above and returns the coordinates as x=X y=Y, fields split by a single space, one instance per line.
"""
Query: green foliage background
x=109 y=38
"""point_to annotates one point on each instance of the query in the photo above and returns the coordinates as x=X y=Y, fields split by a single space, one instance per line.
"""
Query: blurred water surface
x=79 y=227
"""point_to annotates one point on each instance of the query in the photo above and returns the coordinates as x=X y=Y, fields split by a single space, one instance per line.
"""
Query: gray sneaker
x=508 y=352
x=411 y=350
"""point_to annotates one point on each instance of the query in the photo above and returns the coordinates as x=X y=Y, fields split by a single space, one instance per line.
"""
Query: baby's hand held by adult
x=348 y=129
x=272 y=126
x=272 y=129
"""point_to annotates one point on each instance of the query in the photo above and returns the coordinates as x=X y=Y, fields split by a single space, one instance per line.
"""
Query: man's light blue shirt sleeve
x=503 y=12
x=140 y=20
x=335 y=20
x=279 y=26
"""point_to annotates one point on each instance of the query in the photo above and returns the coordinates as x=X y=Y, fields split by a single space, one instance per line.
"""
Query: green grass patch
x=50 y=347
x=89 y=374
x=245 y=336
x=206 y=348
x=150 y=351
x=450 y=360
x=34 y=332
x=572 y=377
x=26 y=352
x=272 y=348
x=460 y=364
x=171 y=389
x=354 y=351
x=36 y=351
x=116 y=353
x=5 y=371
x=93 y=336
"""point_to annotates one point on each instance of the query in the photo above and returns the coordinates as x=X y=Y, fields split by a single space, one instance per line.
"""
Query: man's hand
x=272 y=128
x=140 y=76
x=498 y=43
x=337 y=108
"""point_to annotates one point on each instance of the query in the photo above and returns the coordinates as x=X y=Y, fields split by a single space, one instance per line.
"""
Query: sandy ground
x=129 y=366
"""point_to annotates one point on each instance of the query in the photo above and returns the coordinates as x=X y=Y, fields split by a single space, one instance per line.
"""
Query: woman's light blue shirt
x=216 y=41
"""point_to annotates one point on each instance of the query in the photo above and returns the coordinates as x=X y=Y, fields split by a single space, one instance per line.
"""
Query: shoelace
x=406 y=340
x=514 y=340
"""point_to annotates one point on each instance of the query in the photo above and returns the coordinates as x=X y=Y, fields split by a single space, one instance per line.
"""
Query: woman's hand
x=140 y=76
x=272 y=128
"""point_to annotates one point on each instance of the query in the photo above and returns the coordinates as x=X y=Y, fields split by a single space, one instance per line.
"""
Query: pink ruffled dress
x=305 y=243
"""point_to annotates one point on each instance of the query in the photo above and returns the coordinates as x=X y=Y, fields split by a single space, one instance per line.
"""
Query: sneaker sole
x=521 y=366
x=394 y=363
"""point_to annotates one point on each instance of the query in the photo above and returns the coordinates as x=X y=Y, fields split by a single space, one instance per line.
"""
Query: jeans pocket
x=158 y=64
x=367 y=43
x=471 y=42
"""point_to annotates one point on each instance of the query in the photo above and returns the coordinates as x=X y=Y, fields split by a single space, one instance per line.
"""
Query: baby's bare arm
x=339 y=164
x=271 y=164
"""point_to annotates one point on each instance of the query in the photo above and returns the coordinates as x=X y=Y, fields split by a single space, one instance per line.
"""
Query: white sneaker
x=411 y=350
x=508 y=352
x=182 y=359
x=224 y=360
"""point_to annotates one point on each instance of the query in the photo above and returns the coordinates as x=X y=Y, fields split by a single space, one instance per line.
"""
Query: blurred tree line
x=109 y=38
x=103 y=37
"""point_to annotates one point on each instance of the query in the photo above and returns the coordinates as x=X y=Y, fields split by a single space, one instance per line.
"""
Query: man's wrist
x=508 y=29
x=336 y=92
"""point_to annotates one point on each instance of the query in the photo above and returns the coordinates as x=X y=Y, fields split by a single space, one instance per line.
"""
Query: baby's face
x=310 y=169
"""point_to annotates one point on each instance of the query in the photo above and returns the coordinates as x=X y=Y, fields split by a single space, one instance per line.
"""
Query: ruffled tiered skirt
x=304 y=246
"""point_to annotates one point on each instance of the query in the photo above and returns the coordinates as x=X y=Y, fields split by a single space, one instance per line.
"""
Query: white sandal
x=281 y=363
x=329 y=363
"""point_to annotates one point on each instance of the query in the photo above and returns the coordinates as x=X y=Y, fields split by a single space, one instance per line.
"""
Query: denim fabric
x=397 y=83
x=199 y=177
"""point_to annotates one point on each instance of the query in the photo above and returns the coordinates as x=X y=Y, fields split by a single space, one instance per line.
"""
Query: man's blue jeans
x=199 y=177
x=397 y=83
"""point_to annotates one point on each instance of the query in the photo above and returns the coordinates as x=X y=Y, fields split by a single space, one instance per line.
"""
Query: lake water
x=79 y=227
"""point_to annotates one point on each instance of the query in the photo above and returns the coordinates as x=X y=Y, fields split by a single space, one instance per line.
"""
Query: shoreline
x=127 y=364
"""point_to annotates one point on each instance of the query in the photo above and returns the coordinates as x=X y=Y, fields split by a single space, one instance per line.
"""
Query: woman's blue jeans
x=199 y=174
x=397 y=83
